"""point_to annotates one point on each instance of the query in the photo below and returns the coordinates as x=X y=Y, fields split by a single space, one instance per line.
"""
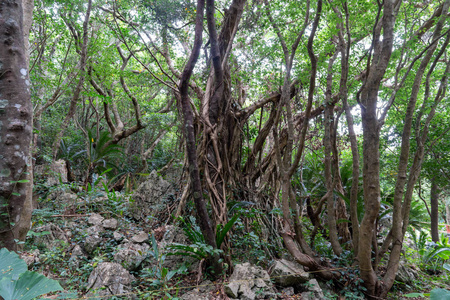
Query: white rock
x=95 y=219
x=140 y=237
x=110 y=224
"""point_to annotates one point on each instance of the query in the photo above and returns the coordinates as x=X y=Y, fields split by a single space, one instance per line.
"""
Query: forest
x=224 y=149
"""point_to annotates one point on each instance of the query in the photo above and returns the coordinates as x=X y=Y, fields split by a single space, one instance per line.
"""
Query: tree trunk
x=76 y=93
x=191 y=149
x=22 y=226
x=434 y=200
x=16 y=123
x=371 y=142
x=328 y=164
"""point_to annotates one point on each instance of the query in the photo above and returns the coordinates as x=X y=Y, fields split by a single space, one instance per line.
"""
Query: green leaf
x=440 y=294
x=29 y=285
x=15 y=194
x=447 y=267
x=221 y=233
x=11 y=265
x=23 y=181
x=413 y=295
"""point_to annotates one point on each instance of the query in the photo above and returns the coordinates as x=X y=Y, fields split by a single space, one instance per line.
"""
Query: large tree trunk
x=22 y=226
x=16 y=123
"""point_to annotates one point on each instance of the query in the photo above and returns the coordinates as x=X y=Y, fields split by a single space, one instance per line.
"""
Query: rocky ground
x=115 y=246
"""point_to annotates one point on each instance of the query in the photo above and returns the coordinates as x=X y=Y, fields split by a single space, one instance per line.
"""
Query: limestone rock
x=96 y=229
x=109 y=279
x=175 y=235
x=406 y=274
x=95 y=219
x=30 y=257
x=55 y=173
x=140 y=237
x=51 y=236
x=288 y=291
x=314 y=291
x=151 y=197
x=249 y=282
x=131 y=255
x=117 y=236
x=110 y=224
x=77 y=255
x=288 y=273
x=91 y=243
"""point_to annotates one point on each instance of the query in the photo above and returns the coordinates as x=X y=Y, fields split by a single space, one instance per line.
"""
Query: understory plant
x=199 y=249
x=17 y=283
x=159 y=275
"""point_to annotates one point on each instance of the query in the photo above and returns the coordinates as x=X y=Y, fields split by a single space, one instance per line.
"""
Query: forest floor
x=76 y=231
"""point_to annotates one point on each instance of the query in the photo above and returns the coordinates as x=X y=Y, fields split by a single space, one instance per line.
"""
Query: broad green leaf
x=29 y=285
x=11 y=265
x=447 y=267
x=440 y=294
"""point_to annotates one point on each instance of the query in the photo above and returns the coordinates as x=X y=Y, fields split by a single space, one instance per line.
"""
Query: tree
x=263 y=99
x=16 y=122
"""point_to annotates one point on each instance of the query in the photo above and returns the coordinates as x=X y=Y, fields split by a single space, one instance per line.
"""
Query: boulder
x=117 y=236
x=313 y=292
x=249 y=282
x=77 y=255
x=110 y=224
x=91 y=243
x=406 y=274
x=110 y=279
x=151 y=197
x=141 y=237
x=288 y=273
x=55 y=173
x=288 y=291
x=95 y=219
x=50 y=235
x=62 y=196
x=173 y=234
x=30 y=257
x=94 y=229
x=131 y=255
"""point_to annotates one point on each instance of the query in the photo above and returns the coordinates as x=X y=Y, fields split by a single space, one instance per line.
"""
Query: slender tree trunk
x=447 y=212
x=191 y=149
x=434 y=201
x=401 y=208
x=327 y=142
x=76 y=93
x=371 y=142
x=15 y=123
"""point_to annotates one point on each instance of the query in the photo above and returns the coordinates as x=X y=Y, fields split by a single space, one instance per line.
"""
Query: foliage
x=20 y=284
x=100 y=152
x=160 y=276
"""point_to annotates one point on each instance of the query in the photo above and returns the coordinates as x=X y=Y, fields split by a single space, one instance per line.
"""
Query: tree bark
x=371 y=142
x=15 y=123
x=76 y=93
x=327 y=141
x=191 y=149
x=434 y=201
